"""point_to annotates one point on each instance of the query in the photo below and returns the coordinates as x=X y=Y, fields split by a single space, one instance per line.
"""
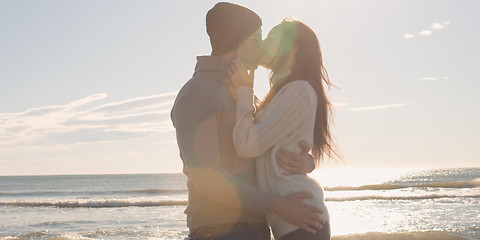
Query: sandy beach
x=401 y=236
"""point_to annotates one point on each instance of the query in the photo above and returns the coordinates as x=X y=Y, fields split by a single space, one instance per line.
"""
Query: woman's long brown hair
x=308 y=66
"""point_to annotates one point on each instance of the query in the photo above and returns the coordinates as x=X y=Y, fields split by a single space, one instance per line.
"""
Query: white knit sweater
x=288 y=119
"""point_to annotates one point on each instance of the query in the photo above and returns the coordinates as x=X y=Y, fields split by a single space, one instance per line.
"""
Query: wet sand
x=402 y=236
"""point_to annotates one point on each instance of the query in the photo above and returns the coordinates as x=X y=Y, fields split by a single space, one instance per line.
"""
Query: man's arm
x=294 y=163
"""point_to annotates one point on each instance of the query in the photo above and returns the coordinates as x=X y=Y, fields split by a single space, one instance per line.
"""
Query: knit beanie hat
x=228 y=25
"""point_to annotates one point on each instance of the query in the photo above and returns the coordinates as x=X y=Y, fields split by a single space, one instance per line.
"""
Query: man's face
x=250 y=50
x=270 y=48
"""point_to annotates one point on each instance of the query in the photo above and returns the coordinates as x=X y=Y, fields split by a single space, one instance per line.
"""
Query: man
x=223 y=199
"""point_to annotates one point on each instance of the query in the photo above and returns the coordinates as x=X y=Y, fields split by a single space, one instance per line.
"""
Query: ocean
x=363 y=204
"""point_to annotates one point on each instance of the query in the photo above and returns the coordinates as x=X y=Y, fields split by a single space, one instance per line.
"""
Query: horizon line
x=148 y=173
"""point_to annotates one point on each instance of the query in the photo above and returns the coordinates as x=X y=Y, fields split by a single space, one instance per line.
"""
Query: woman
x=295 y=109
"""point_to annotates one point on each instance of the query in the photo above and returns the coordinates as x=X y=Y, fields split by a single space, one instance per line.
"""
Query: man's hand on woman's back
x=293 y=210
x=293 y=163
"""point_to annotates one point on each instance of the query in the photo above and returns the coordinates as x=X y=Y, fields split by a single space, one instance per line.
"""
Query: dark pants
x=300 y=234
x=239 y=231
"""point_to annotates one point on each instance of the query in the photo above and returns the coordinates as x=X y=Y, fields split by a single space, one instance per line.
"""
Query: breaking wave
x=460 y=184
x=114 y=203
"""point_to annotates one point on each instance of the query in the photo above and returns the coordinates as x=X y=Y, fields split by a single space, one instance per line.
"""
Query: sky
x=87 y=86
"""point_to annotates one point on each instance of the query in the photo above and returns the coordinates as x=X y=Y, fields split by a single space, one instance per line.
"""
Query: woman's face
x=270 y=47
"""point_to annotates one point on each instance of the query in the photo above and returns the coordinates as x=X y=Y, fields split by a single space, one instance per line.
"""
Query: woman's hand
x=293 y=163
x=239 y=75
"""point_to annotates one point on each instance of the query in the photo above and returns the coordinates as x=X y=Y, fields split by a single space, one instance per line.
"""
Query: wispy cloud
x=436 y=26
x=432 y=78
x=66 y=124
x=163 y=142
x=380 y=107
x=136 y=104
x=428 y=78
x=426 y=32
x=91 y=98
x=408 y=36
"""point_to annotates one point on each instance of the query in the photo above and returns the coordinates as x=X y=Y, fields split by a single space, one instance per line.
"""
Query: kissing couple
x=247 y=159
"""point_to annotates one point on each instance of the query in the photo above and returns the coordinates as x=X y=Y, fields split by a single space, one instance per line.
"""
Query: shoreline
x=428 y=235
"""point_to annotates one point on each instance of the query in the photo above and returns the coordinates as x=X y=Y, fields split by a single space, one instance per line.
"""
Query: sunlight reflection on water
x=358 y=177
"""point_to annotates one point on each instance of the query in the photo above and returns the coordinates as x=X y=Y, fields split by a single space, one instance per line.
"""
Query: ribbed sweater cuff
x=244 y=99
